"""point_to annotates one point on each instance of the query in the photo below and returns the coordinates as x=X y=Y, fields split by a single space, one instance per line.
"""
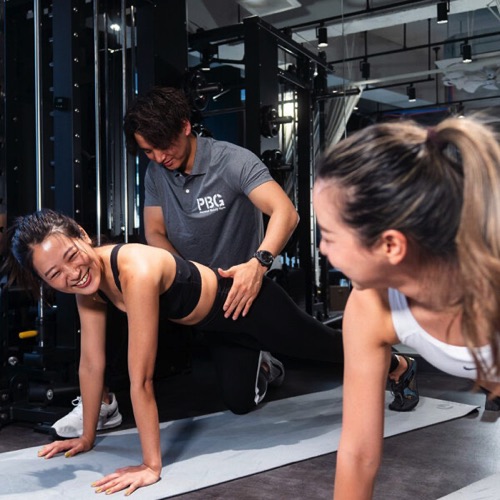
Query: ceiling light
x=114 y=27
x=411 y=93
x=442 y=12
x=466 y=52
x=322 y=37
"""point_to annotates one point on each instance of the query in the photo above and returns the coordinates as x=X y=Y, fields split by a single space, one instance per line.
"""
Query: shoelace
x=76 y=401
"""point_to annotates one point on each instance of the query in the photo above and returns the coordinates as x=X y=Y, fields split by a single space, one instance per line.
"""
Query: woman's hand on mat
x=133 y=478
x=71 y=447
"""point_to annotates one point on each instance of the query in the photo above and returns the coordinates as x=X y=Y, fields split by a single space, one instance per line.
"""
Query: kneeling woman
x=142 y=280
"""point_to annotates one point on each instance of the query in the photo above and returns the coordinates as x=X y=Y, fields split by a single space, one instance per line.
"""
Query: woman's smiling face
x=68 y=265
x=340 y=244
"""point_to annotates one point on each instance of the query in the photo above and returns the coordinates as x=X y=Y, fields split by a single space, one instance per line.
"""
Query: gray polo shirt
x=207 y=214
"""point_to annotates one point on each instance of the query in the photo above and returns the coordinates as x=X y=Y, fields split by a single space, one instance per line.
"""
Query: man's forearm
x=279 y=230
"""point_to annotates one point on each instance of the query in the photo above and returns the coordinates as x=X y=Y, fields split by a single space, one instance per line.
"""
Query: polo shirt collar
x=202 y=156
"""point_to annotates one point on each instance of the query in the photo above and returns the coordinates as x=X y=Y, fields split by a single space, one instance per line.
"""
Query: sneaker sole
x=110 y=423
x=406 y=408
x=279 y=379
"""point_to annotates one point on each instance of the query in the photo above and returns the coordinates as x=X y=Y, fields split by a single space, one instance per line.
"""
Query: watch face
x=264 y=257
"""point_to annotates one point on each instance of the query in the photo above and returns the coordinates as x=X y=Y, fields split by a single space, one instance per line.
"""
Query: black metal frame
x=262 y=80
x=3 y=182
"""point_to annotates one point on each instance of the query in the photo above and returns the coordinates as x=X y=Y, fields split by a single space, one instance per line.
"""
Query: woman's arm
x=141 y=280
x=143 y=310
x=367 y=335
x=91 y=372
x=92 y=362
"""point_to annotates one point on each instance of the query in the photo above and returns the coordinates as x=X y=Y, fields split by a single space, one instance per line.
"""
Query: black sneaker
x=405 y=390
x=274 y=373
x=491 y=404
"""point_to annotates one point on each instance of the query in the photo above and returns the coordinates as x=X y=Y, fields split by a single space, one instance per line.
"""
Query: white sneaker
x=71 y=425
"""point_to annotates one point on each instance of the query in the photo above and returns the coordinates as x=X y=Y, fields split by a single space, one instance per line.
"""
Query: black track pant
x=274 y=323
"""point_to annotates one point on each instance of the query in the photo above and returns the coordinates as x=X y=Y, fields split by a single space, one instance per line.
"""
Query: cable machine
x=38 y=338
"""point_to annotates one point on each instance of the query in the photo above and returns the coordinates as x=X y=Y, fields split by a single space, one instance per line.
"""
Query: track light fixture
x=411 y=92
x=322 y=37
x=364 y=67
x=207 y=55
x=466 y=50
x=442 y=12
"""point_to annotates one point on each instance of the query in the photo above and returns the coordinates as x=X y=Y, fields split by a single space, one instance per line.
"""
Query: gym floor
x=424 y=464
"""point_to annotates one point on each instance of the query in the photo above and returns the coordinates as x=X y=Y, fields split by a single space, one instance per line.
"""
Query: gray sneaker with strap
x=405 y=390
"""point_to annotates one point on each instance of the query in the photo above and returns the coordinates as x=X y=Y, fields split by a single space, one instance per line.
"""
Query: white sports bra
x=455 y=360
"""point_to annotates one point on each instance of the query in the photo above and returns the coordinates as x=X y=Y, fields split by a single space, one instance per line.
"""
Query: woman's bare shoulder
x=139 y=262
x=373 y=299
x=139 y=252
x=368 y=311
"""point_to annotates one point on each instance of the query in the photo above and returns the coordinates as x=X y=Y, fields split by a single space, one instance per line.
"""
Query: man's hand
x=247 y=280
x=130 y=478
x=70 y=446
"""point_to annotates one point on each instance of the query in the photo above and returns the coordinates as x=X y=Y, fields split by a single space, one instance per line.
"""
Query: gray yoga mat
x=208 y=450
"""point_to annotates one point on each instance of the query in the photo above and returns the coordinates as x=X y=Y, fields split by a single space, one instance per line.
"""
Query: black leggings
x=274 y=323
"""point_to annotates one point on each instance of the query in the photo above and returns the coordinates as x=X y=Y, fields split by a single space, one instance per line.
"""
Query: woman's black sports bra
x=182 y=296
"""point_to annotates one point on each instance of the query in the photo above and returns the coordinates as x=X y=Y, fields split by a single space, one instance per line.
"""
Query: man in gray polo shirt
x=204 y=200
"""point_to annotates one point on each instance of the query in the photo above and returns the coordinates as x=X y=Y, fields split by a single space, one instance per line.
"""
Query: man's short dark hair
x=158 y=116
